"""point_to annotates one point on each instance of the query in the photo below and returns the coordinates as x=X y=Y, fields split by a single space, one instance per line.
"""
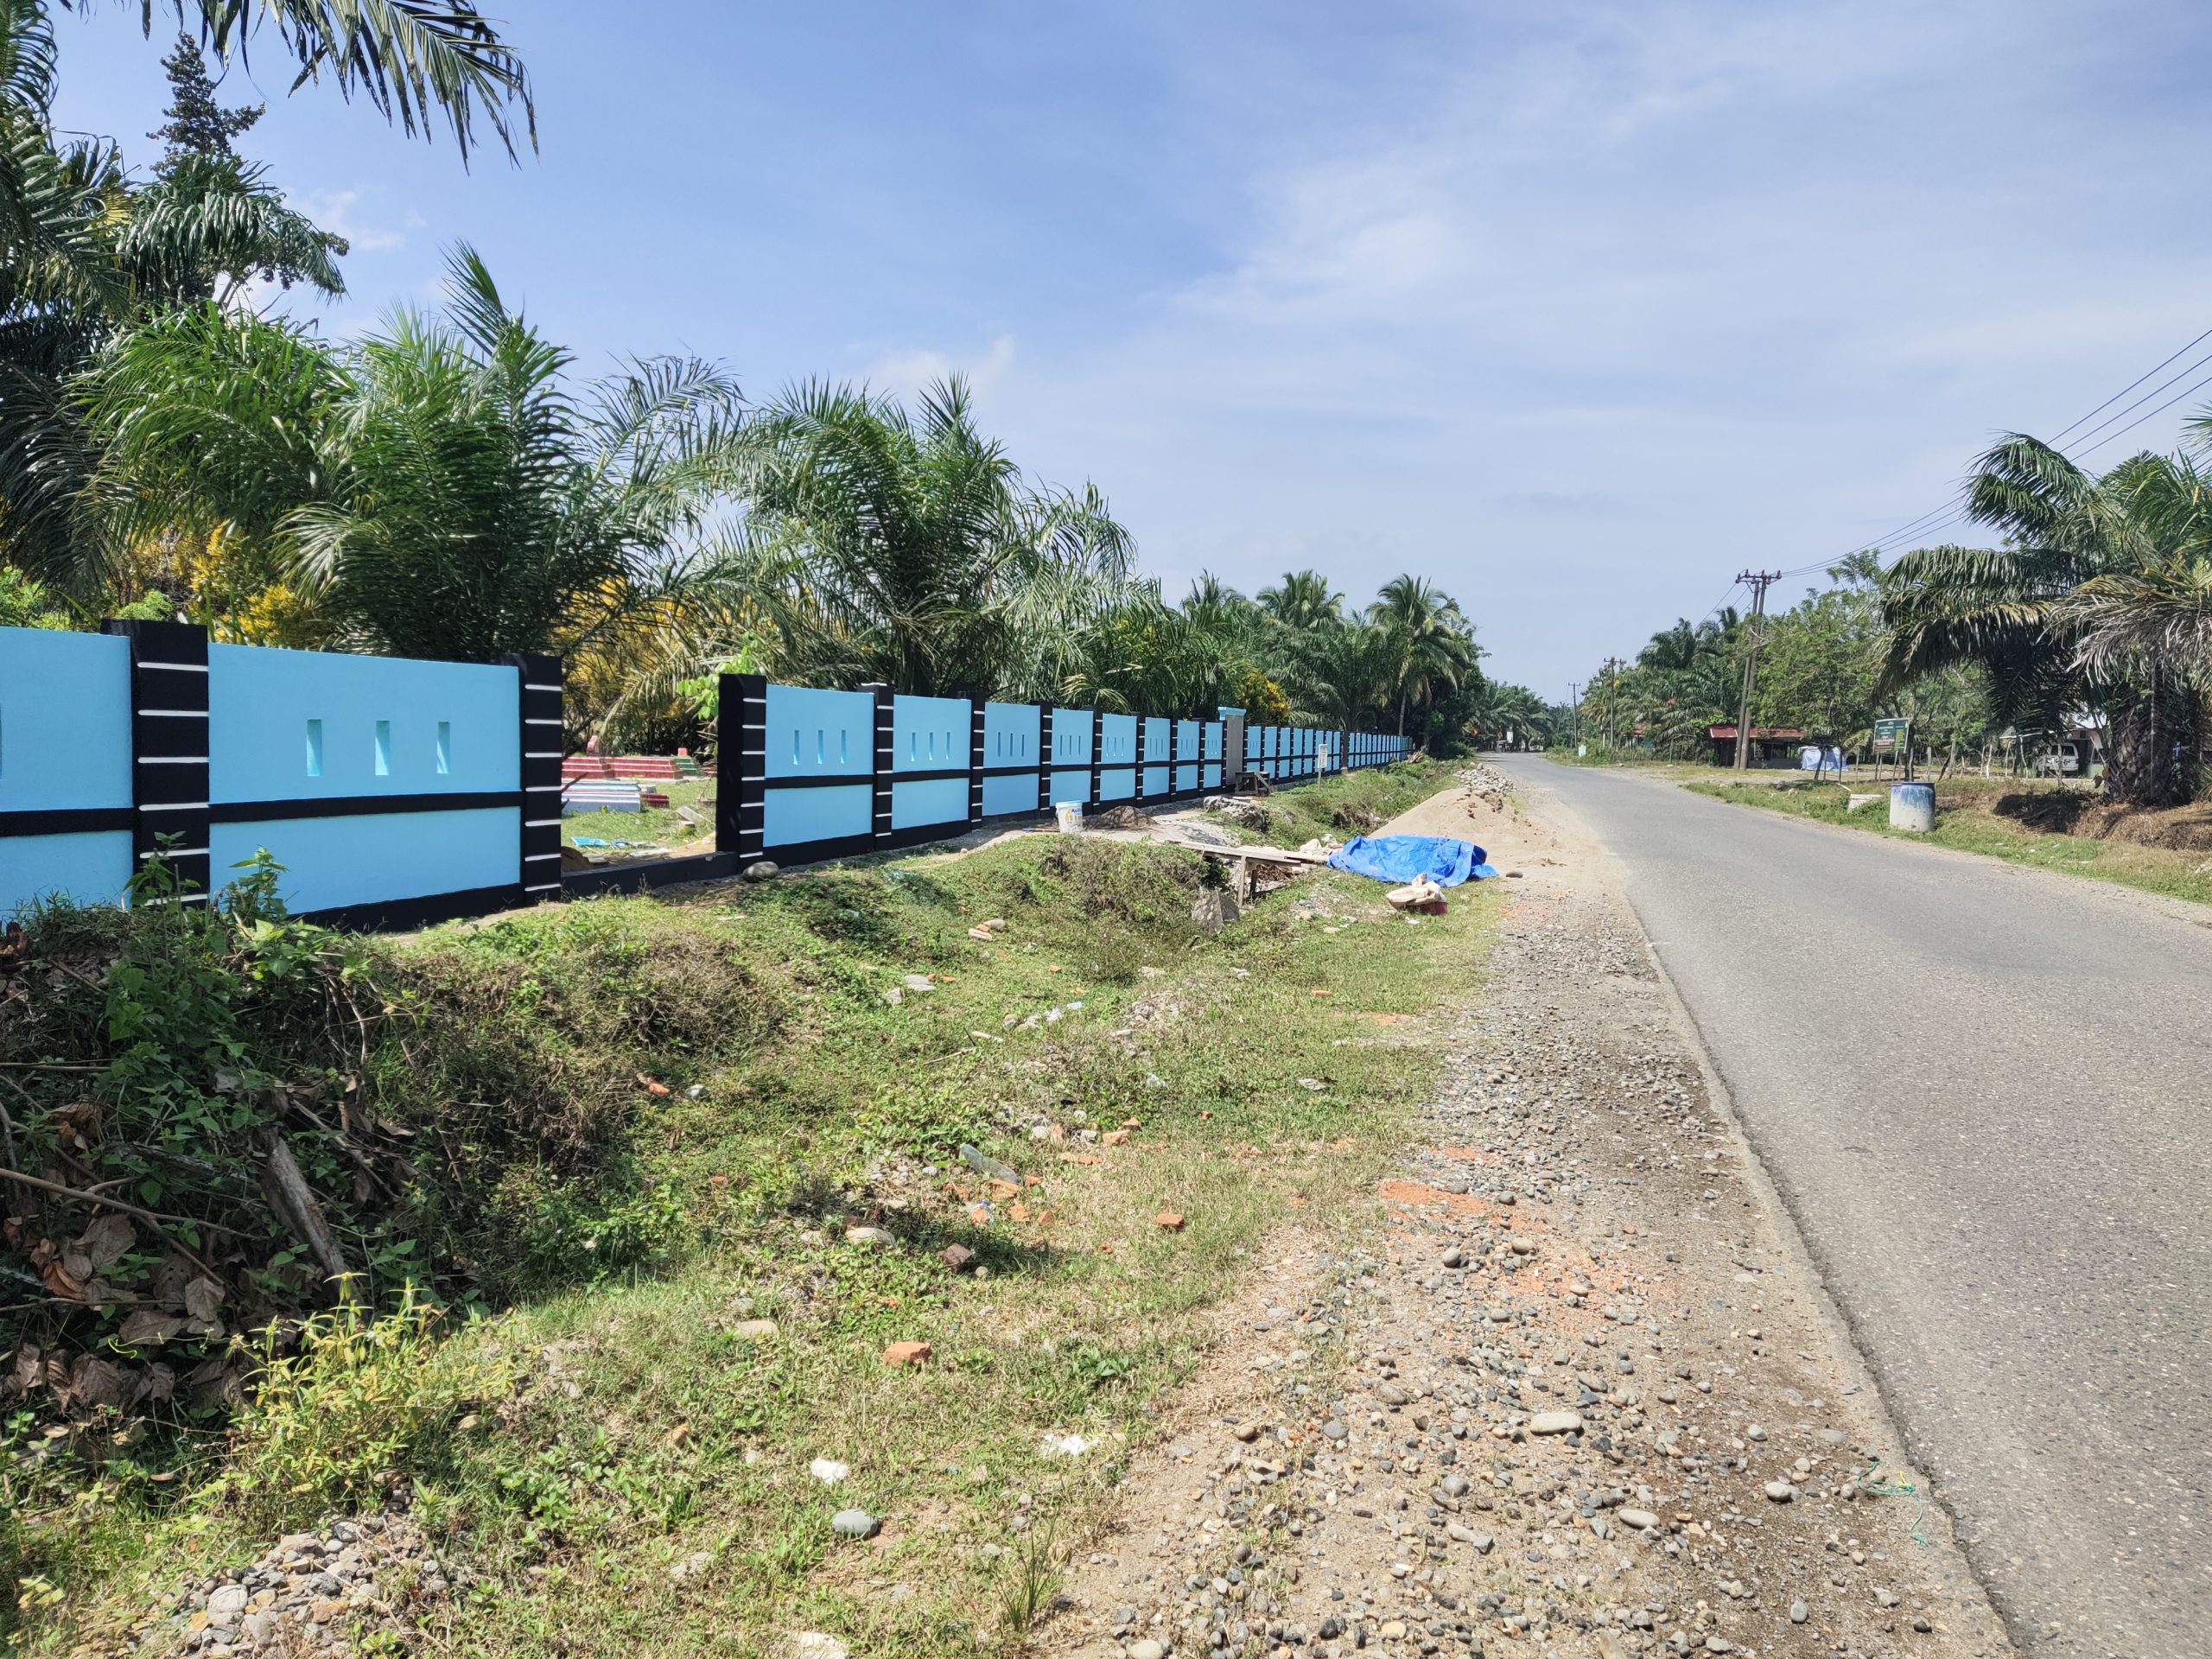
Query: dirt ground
x=2068 y=811
x=1571 y=1390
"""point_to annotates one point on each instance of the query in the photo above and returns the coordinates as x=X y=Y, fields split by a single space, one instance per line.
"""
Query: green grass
x=1964 y=822
x=657 y=826
x=619 y=1416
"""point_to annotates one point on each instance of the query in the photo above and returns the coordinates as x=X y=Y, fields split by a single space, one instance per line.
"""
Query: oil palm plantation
x=1434 y=648
x=1509 y=717
x=906 y=549
x=1303 y=599
x=84 y=252
x=438 y=489
x=2067 y=614
x=1344 y=674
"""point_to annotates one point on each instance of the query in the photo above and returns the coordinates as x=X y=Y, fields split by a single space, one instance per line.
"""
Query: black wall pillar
x=978 y=743
x=741 y=768
x=1044 y=757
x=541 y=731
x=169 y=750
x=886 y=760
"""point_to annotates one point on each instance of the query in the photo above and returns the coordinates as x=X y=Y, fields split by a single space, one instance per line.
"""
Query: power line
x=2129 y=387
x=2189 y=391
x=1920 y=528
x=2139 y=402
x=1937 y=519
x=1714 y=609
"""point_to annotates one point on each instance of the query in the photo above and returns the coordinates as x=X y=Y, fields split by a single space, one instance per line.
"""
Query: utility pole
x=1758 y=581
x=1612 y=703
x=1574 y=707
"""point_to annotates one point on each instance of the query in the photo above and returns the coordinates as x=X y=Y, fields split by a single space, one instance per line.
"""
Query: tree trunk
x=2142 y=767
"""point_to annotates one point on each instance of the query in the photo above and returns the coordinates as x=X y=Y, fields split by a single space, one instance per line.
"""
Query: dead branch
x=295 y=1206
x=82 y=1197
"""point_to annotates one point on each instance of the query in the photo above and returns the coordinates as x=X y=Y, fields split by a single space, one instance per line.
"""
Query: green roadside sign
x=1889 y=733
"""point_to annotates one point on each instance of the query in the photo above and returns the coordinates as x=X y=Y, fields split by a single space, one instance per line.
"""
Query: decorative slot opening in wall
x=445 y=747
x=841 y=747
x=314 y=748
x=384 y=748
x=817 y=746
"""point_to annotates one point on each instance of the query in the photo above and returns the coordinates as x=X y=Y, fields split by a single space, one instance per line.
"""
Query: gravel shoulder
x=1569 y=1386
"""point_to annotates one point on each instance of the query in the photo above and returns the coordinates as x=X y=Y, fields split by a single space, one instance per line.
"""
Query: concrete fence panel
x=66 y=805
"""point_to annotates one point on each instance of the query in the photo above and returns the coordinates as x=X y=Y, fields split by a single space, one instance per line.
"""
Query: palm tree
x=1303 y=600
x=2079 y=553
x=412 y=60
x=436 y=488
x=2154 y=618
x=1434 y=647
x=905 y=549
x=83 y=253
x=1344 y=674
x=1500 y=710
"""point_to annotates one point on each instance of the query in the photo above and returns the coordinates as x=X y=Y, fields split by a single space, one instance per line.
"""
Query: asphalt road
x=1983 y=1092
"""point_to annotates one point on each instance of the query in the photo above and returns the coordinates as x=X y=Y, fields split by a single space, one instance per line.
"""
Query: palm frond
x=414 y=61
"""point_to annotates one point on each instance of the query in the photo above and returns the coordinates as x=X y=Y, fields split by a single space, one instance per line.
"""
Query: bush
x=1147 y=888
x=360 y=1404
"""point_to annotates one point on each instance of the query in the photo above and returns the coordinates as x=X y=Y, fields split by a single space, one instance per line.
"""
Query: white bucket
x=1070 y=816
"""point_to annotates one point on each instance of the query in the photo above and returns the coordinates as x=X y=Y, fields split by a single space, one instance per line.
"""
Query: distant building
x=1771 y=745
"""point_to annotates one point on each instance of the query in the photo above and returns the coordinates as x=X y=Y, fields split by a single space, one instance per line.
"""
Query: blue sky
x=1578 y=308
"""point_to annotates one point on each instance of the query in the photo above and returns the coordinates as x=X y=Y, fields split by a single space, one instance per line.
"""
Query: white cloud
x=1628 y=304
x=341 y=212
x=905 y=373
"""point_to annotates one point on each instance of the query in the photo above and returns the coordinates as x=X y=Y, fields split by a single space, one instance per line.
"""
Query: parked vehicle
x=2062 y=761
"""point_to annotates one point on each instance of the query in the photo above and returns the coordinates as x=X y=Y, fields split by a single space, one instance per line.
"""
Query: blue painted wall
x=65 y=719
x=306 y=726
x=1117 y=757
x=1187 y=739
x=1071 y=737
x=1010 y=734
x=302 y=727
x=1070 y=747
x=930 y=735
x=260 y=701
x=813 y=734
x=65 y=744
x=374 y=858
x=819 y=734
x=91 y=867
x=1157 y=734
x=793 y=816
x=942 y=800
x=1010 y=740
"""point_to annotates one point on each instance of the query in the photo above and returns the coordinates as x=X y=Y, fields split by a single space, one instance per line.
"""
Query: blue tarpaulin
x=1399 y=859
